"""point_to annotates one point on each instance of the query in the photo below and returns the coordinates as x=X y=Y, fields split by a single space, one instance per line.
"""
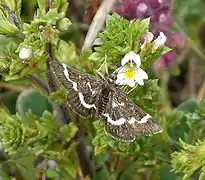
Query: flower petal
x=125 y=59
x=131 y=83
x=147 y=39
x=141 y=74
x=137 y=60
x=131 y=56
x=25 y=53
x=161 y=39
x=141 y=82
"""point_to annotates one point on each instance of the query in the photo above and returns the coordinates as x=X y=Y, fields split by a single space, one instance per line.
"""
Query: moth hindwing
x=90 y=96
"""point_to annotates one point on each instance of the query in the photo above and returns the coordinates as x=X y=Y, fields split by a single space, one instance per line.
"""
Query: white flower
x=130 y=72
x=148 y=38
x=159 y=41
x=25 y=53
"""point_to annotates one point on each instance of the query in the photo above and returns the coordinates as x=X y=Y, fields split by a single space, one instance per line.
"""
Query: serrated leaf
x=67 y=168
x=67 y=132
x=95 y=56
x=66 y=53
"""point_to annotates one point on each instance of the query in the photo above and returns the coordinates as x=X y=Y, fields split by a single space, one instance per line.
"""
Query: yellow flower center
x=130 y=72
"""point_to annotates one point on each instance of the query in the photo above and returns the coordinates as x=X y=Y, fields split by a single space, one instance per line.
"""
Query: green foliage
x=38 y=135
x=45 y=27
x=122 y=36
x=32 y=136
x=9 y=19
x=190 y=160
x=102 y=141
x=33 y=132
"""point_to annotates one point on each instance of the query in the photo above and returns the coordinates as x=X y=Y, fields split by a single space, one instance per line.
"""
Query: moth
x=99 y=97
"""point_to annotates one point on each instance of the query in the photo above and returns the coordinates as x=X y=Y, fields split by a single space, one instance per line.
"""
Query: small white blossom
x=161 y=39
x=130 y=72
x=25 y=53
x=148 y=38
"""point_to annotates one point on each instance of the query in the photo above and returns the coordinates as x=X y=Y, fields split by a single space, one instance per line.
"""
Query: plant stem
x=98 y=22
x=38 y=81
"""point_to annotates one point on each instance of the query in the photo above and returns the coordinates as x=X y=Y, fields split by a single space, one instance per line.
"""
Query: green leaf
x=167 y=175
x=7 y=28
x=41 y=4
x=52 y=173
x=188 y=106
x=58 y=96
x=8 y=99
x=67 y=132
x=67 y=168
x=25 y=165
x=201 y=107
x=66 y=53
x=189 y=160
x=32 y=100
x=95 y=56
x=4 y=175
x=12 y=4
x=16 y=67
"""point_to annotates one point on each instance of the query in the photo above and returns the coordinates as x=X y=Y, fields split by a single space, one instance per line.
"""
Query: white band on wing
x=131 y=121
x=82 y=101
x=75 y=85
x=117 y=122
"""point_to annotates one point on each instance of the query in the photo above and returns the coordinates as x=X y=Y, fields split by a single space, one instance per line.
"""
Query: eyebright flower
x=161 y=17
x=177 y=43
x=148 y=38
x=130 y=72
x=25 y=53
x=159 y=41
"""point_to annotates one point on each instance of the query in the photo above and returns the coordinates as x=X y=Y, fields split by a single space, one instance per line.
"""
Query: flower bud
x=64 y=24
x=25 y=53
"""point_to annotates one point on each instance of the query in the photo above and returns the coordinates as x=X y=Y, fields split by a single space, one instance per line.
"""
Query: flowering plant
x=38 y=141
x=161 y=15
